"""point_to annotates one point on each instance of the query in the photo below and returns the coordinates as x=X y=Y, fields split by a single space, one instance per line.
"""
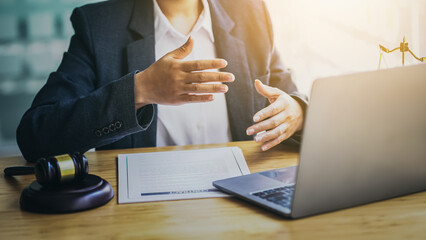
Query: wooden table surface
x=216 y=218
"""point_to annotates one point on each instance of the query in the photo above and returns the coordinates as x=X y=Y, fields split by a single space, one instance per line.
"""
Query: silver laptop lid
x=364 y=141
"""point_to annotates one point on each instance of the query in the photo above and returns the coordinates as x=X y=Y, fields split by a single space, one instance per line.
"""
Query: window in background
x=33 y=36
x=330 y=37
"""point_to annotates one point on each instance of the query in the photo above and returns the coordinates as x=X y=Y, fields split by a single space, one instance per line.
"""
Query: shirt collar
x=162 y=24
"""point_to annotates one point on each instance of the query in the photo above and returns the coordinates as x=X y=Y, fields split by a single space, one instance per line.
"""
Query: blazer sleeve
x=281 y=78
x=72 y=113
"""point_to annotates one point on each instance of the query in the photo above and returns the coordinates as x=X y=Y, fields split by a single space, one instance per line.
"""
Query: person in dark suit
x=110 y=85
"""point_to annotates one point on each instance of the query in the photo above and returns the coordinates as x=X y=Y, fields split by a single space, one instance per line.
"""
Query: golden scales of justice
x=403 y=47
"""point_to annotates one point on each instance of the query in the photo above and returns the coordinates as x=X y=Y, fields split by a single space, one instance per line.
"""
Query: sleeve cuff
x=145 y=116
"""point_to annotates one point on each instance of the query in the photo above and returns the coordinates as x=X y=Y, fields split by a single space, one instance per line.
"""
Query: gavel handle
x=21 y=170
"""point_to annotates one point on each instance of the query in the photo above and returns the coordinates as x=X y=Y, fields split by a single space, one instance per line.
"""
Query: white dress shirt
x=194 y=123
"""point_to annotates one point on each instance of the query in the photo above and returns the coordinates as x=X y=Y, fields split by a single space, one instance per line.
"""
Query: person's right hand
x=172 y=81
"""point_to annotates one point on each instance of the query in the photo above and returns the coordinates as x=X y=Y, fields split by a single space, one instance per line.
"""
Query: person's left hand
x=278 y=121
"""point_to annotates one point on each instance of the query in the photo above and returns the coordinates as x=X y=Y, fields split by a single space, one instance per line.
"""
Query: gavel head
x=62 y=169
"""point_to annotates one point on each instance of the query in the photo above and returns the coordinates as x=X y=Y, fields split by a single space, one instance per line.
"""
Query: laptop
x=364 y=140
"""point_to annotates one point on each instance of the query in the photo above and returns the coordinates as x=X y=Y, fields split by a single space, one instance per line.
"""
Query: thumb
x=266 y=90
x=183 y=51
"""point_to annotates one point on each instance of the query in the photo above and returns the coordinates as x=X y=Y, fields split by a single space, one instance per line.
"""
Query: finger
x=268 y=124
x=190 y=98
x=266 y=90
x=183 y=51
x=282 y=129
x=270 y=144
x=200 y=65
x=199 y=77
x=205 y=88
x=274 y=108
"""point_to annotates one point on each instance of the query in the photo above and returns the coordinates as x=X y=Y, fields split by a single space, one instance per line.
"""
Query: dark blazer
x=89 y=101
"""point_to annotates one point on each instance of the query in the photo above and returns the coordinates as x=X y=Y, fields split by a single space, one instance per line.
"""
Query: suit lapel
x=140 y=55
x=240 y=95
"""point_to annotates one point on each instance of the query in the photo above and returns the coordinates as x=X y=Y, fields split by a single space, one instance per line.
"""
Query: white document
x=172 y=175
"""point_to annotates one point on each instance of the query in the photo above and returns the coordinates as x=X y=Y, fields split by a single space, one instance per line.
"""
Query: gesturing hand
x=281 y=119
x=172 y=81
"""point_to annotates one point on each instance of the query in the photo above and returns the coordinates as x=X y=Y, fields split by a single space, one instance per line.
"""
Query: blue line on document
x=180 y=192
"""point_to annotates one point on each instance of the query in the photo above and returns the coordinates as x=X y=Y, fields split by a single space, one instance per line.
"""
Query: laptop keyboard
x=281 y=196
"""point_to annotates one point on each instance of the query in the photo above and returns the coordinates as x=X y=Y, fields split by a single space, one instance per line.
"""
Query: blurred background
x=33 y=36
x=316 y=38
x=319 y=38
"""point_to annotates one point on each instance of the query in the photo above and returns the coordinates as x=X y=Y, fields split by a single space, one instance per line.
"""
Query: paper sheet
x=157 y=176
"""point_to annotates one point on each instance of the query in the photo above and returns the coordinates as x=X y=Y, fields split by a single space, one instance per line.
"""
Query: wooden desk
x=217 y=218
